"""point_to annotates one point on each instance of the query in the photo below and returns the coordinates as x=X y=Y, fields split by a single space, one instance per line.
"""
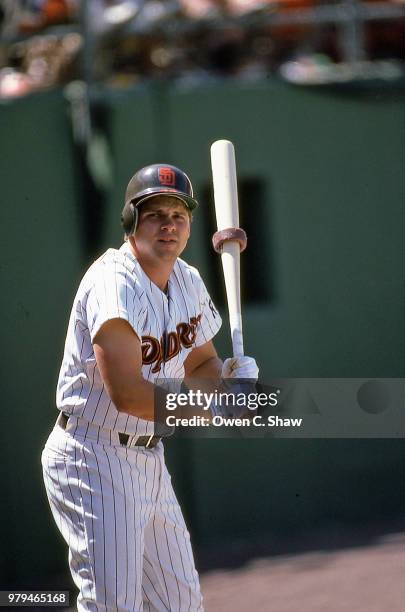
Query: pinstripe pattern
x=129 y=548
x=115 y=286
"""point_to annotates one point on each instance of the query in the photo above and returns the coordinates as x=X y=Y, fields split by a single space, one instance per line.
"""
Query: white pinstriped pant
x=129 y=548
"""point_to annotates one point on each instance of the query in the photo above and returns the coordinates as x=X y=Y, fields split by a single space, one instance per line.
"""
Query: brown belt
x=145 y=441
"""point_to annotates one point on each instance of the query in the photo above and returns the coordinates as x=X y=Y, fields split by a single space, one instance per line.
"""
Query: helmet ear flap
x=129 y=218
x=136 y=218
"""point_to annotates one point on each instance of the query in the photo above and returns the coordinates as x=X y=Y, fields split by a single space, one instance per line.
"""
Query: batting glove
x=233 y=370
x=240 y=367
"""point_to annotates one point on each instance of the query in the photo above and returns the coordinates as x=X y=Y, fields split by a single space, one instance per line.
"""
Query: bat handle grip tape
x=236 y=234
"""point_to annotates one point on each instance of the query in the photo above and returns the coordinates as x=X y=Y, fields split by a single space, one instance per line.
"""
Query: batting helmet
x=154 y=180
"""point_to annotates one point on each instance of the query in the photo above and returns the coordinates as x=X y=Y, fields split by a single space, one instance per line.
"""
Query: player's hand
x=239 y=377
x=240 y=367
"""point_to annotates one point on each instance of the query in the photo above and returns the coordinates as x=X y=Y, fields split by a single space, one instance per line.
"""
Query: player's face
x=163 y=228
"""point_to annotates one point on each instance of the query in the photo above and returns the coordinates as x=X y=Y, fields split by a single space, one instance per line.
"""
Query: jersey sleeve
x=210 y=321
x=113 y=295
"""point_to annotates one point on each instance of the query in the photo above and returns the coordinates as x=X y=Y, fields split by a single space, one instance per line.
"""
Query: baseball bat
x=227 y=213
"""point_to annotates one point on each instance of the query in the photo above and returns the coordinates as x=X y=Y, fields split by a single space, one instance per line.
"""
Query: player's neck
x=158 y=275
x=158 y=270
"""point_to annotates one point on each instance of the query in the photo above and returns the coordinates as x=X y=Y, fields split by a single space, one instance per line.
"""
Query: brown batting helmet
x=151 y=181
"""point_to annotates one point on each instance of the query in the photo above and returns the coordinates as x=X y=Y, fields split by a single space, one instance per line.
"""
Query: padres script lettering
x=156 y=351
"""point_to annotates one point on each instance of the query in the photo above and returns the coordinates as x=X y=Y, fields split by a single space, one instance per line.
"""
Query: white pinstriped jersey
x=168 y=325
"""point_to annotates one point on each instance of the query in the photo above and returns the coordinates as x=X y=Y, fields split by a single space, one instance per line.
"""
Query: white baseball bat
x=227 y=212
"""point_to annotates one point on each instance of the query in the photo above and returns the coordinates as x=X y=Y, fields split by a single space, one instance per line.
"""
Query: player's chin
x=170 y=246
x=168 y=249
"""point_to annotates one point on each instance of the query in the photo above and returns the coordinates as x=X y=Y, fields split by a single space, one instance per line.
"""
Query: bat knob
x=230 y=234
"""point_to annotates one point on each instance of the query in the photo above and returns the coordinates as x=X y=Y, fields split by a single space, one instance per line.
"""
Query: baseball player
x=140 y=314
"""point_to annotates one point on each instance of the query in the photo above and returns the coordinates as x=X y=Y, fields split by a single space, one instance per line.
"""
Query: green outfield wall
x=322 y=187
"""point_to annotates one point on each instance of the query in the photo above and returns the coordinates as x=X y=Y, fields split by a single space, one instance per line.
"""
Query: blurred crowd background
x=45 y=43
